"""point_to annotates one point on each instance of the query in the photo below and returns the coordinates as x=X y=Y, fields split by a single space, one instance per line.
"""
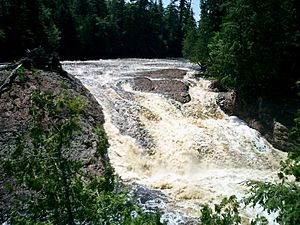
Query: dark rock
x=166 y=74
x=273 y=118
x=216 y=86
x=226 y=101
x=169 y=86
x=281 y=137
x=256 y=124
x=280 y=129
x=198 y=68
x=180 y=97
x=142 y=84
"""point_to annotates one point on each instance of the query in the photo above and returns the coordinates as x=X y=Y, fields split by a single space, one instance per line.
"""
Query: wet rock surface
x=166 y=74
x=272 y=118
x=165 y=82
x=154 y=200
x=125 y=117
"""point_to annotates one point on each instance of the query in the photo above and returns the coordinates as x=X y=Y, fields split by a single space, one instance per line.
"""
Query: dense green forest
x=87 y=29
x=251 y=46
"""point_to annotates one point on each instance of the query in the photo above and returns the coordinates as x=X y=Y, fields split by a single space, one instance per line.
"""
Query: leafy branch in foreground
x=224 y=213
x=283 y=198
x=58 y=189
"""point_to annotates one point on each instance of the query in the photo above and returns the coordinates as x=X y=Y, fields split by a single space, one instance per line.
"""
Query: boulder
x=216 y=86
x=142 y=84
x=227 y=101
x=164 y=83
x=280 y=137
x=166 y=74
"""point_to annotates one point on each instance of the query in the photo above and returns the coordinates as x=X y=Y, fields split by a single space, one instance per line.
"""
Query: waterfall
x=184 y=155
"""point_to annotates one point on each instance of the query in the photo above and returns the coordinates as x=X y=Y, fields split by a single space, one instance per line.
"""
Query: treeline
x=251 y=46
x=93 y=28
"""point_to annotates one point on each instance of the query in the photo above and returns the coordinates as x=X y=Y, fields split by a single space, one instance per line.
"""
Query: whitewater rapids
x=189 y=153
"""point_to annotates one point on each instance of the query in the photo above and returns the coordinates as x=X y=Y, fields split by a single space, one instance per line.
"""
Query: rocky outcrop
x=14 y=117
x=143 y=84
x=226 y=101
x=273 y=118
x=166 y=82
x=166 y=74
x=15 y=105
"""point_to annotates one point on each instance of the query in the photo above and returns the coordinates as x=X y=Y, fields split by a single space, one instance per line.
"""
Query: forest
x=92 y=29
x=250 y=46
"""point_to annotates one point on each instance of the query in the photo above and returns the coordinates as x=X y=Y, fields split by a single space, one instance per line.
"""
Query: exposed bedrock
x=167 y=82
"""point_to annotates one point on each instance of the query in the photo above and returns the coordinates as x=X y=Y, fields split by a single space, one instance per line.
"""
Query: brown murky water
x=191 y=153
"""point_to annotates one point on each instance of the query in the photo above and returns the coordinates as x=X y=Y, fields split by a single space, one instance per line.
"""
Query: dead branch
x=8 y=81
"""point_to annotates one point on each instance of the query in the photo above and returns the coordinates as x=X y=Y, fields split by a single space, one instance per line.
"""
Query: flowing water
x=174 y=156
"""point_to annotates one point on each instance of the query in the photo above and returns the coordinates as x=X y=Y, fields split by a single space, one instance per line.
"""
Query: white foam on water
x=192 y=152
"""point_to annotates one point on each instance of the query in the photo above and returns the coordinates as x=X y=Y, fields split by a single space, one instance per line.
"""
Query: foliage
x=292 y=166
x=26 y=25
x=251 y=46
x=282 y=198
x=21 y=75
x=212 y=12
x=93 y=28
x=243 y=56
x=189 y=50
x=223 y=214
x=57 y=188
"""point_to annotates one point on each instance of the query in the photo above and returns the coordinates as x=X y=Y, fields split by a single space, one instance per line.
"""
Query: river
x=175 y=156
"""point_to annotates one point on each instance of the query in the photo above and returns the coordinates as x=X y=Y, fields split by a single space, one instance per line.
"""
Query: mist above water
x=191 y=153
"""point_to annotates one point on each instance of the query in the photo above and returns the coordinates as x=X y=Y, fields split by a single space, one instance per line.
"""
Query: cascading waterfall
x=180 y=155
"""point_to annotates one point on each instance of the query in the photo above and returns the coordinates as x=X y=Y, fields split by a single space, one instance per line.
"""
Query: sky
x=196 y=9
x=195 y=6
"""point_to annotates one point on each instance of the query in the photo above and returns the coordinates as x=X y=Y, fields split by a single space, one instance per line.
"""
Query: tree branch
x=8 y=81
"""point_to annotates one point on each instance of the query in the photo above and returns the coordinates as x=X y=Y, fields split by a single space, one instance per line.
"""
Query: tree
x=158 y=30
x=189 y=49
x=116 y=21
x=25 y=25
x=93 y=28
x=248 y=51
x=174 y=30
x=212 y=12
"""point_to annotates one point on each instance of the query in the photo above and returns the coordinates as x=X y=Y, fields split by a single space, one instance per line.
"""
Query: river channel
x=175 y=156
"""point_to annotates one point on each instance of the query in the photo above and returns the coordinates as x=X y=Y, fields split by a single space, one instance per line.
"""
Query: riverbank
x=15 y=121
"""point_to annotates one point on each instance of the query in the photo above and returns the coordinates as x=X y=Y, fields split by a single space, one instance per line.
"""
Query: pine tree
x=247 y=52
